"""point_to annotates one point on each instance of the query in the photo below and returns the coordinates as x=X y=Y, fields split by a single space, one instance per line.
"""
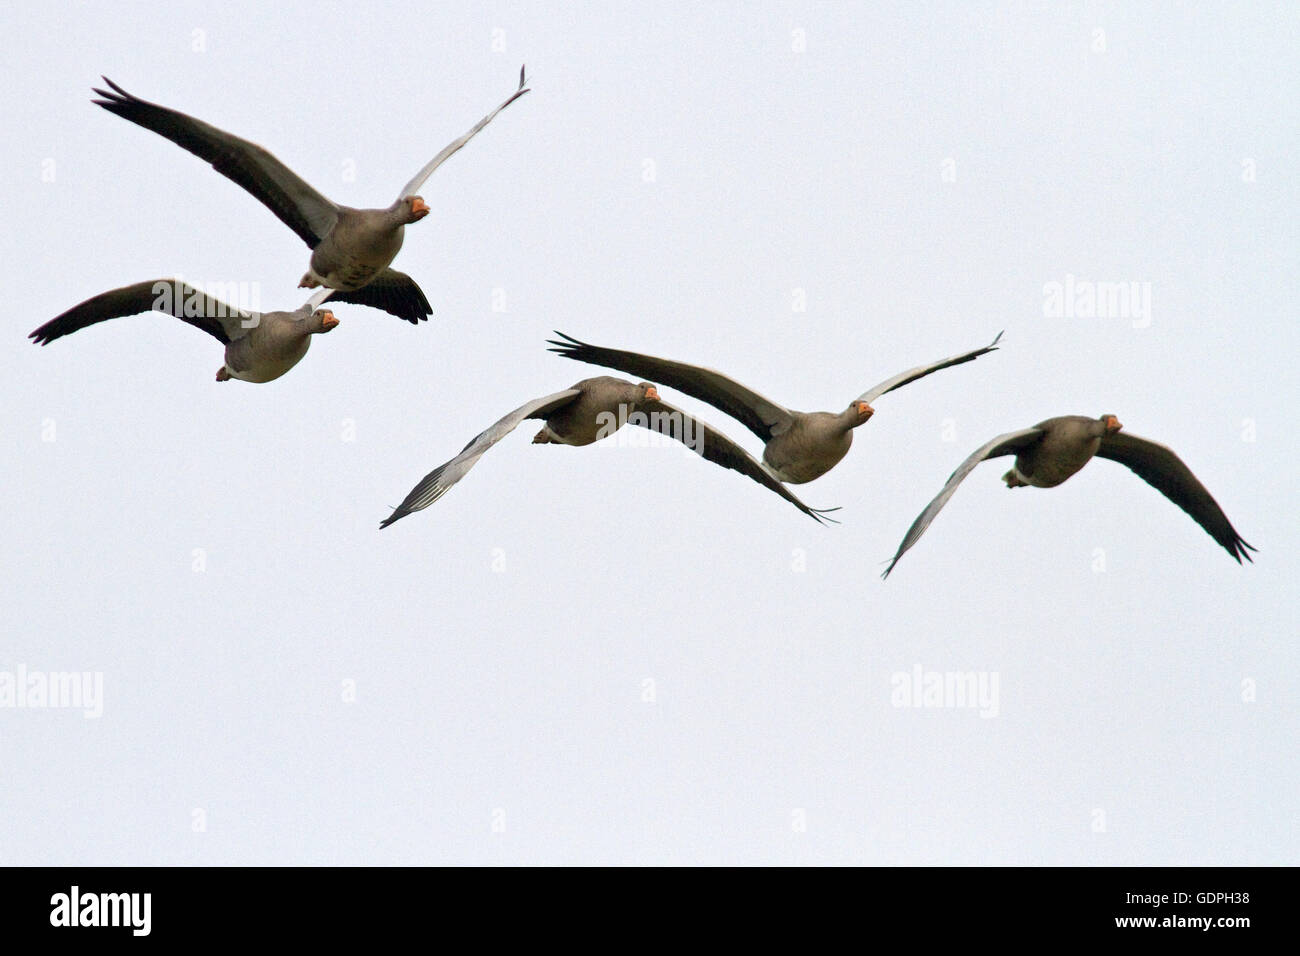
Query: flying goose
x=798 y=446
x=588 y=411
x=351 y=248
x=260 y=346
x=1053 y=450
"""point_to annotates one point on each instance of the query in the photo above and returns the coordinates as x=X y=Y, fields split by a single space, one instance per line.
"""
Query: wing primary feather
x=439 y=481
x=712 y=445
x=267 y=179
x=1161 y=468
x=167 y=296
x=921 y=371
x=1007 y=444
x=454 y=146
x=393 y=292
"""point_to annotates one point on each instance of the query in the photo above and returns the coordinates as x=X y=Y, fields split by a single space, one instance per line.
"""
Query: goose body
x=812 y=444
x=359 y=247
x=1065 y=445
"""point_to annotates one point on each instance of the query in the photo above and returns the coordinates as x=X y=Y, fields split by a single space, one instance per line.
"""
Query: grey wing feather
x=760 y=415
x=318 y=298
x=921 y=371
x=439 y=481
x=1008 y=444
x=271 y=182
x=394 y=292
x=451 y=148
x=712 y=445
x=1163 y=470
x=170 y=296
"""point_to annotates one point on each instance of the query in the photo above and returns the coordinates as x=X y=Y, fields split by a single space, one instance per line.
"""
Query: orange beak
x=652 y=394
x=1112 y=424
x=419 y=207
x=865 y=409
x=328 y=321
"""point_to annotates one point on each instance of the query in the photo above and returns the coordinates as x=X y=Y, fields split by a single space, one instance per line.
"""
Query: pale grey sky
x=621 y=654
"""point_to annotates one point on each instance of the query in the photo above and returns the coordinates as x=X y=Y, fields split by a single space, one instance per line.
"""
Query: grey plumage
x=798 y=446
x=259 y=346
x=588 y=411
x=351 y=248
x=1056 y=449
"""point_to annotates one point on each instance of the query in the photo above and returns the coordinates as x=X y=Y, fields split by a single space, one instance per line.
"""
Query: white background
x=672 y=180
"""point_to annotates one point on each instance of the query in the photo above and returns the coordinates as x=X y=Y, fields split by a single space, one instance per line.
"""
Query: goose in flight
x=798 y=446
x=260 y=346
x=586 y=412
x=1052 y=451
x=351 y=248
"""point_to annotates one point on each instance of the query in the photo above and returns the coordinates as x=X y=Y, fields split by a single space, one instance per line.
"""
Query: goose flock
x=352 y=251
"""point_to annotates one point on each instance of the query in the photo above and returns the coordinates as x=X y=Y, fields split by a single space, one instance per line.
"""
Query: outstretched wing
x=439 y=481
x=921 y=371
x=413 y=186
x=171 y=296
x=1008 y=444
x=275 y=185
x=716 y=447
x=1164 y=471
x=394 y=292
x=762 y=416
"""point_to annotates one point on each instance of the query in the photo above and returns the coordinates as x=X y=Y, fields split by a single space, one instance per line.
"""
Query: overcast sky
x=622 y=654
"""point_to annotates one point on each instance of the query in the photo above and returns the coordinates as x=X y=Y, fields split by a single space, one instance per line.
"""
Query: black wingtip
x=821 y=515
x=522 y=89
x=44 y=335
x=567 y=347
x=114 y=97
